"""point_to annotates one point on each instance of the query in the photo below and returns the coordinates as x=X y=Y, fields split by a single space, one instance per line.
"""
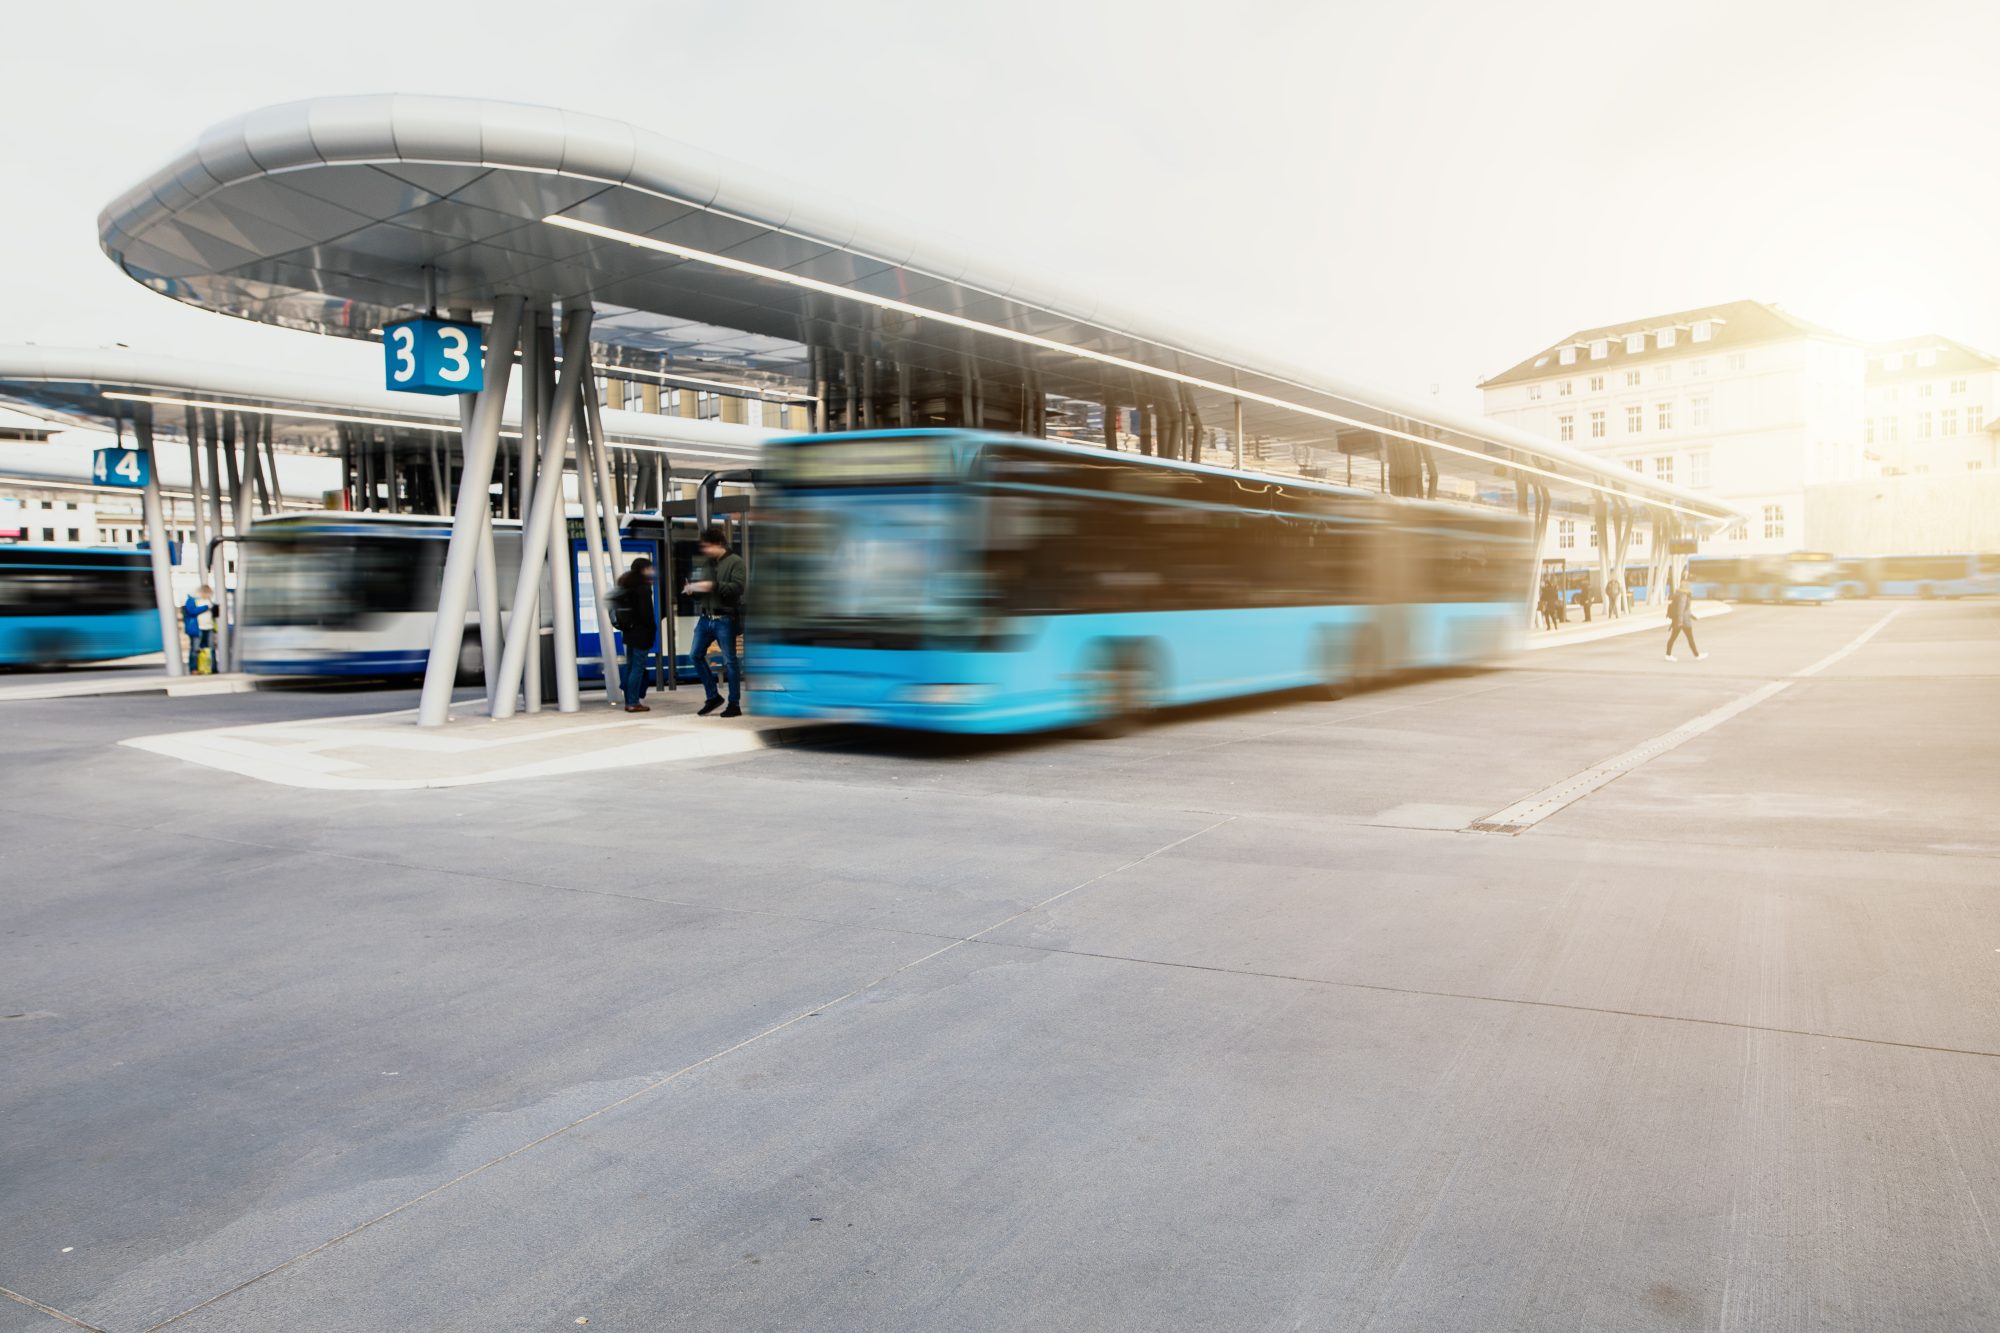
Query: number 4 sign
x=119 y=467
x=434 y=356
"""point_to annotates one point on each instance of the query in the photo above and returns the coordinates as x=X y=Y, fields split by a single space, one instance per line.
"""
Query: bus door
x=590 y=617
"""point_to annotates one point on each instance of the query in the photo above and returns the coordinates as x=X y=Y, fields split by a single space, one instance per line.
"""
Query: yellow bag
x=204 y=662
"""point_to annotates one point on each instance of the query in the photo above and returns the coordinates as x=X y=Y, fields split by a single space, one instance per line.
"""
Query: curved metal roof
x=96 y=387
x=327 y=214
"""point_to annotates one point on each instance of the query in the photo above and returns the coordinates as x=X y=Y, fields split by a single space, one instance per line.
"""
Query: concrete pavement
x=1225 y=1023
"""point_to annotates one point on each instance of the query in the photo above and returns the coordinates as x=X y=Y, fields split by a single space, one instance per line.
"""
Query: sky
x=1411 y=195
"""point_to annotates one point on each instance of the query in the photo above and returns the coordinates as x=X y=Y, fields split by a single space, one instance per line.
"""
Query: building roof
x=335 y=214
x=1733 y=324
x=1950 y=356
x=98 y=387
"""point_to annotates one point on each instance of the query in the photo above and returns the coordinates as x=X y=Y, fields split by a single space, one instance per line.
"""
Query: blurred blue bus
x=1803 y=577
x=972 y=582
x=1923 y=575
x=62 y=604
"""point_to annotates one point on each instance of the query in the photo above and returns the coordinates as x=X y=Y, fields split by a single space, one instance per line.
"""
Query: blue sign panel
x=121 y=467
x=434 y=356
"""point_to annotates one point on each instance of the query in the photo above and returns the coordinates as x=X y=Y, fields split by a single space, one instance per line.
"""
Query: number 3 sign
x=434 y=356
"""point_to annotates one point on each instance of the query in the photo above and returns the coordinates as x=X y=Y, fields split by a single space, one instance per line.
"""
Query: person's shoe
x=638 y=708
x=1700 y=656
x=1672 y=658
x=732 y=711
x=709 y=707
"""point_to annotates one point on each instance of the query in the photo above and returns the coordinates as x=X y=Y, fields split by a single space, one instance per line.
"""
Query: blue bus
x=1799 y=577
x=974 y=582
x=1966 y=575
x=62 y=604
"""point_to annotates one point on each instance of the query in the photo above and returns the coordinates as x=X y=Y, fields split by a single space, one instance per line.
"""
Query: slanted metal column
x=537 y=345
x=271 y=456
x=218 y=557
x=614 y=549
x=558 y=420
x=156 y=541
x=1236 y=439
x=593 y=540
x=461 y=557
x=246 y=486
x=521 y=631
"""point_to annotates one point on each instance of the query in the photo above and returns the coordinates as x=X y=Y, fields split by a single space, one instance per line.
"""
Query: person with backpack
x=633 y=615
x=1680 y=615
x=718 y=585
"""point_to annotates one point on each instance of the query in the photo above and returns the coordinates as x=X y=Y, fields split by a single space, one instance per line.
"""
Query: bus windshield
x=337 y=580
x=871 y=568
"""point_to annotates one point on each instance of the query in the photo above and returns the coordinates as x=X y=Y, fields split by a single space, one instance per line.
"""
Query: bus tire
x=1338 y=677
x=471 y=661
x=1927 y=591
x=1122 y=689
x=1369 y=668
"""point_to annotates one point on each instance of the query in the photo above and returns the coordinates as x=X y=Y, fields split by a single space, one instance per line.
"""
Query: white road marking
x=1531 y=810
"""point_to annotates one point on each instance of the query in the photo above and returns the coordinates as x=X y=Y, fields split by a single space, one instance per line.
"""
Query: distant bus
x=1923 y=575
x=75 y=604
x=355 y=594
x=1803 y=577
x=972 y=582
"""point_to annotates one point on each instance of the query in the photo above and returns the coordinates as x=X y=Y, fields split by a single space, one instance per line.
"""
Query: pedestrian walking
x=1552 y=605
x=200 y=605
x=1585 y=596
x=718 y=585
x=635 y=615
x=1680 y=619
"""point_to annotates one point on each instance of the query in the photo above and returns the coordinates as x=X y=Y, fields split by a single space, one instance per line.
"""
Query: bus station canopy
x=308 y=412
x=343 y=214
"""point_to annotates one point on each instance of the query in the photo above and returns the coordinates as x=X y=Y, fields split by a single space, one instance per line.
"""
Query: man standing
x=718 y=586
x=199 y=636
x=633 y=615
x=1680 y=615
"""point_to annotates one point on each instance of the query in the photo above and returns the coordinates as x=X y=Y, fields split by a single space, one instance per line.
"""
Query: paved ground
x=1224 y=1024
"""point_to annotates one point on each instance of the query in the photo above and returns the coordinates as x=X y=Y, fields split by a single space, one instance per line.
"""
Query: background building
x=1742 y=400
x=1933 y=407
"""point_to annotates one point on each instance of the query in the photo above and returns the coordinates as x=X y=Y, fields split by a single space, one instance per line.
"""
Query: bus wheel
x=1337 y=664
x=471 y=661
x=1121 y=690
x=1927 y=591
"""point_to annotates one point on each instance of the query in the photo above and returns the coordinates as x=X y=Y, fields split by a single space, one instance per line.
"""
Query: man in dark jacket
x=1680 y=615
x=718 y=586
x=633 y=615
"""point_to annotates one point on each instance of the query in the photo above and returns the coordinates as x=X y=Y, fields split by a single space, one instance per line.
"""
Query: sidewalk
x=1578 y=631
x=150 y=682
x=389 y=752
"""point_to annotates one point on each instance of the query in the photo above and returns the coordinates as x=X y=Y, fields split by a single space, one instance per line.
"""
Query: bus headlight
x=944 y=694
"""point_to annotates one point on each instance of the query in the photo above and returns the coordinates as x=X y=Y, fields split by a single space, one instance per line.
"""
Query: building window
x=1565 y=533
x=1958 y=386
x=1774 y=522
x=1699 y=368
x=1631 y=379
x=1637 y=465
x=1698 y=468
x=75 y=535
x=1699 y=408
x=1534 y=391
x=1927 y=357
x=1635 y=419
x=1738 y=360
x=1975 y=418
x=635 y=396
x=1664 y=338
x=1892 y=429
x=1924 y=390
x=1600 y=349
x=1923 y=425
x=1597 y=384
x=1635 y=343
x=48 y=534
x=1948 y=421
x=1663 y=467
x=1661 y=374
x=1868 y=431
x=1703 y=330
x=707 y=405
x=1974 y=465
x=1566 y=429
x=1597 y=425
x=1567 y=356
x=1563 y=389
x=603 y=391
x=1666 y=416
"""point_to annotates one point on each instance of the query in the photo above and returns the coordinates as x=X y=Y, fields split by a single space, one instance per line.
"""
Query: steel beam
x=161 y=555
x=455 y=586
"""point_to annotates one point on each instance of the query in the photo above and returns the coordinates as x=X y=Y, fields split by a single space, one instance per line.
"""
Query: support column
x=246 y=487
x=614 y=549
x=600 y=577
x=558 y=421
x=161 y=556
x=455 y=586
x=218 y=561
x=535 y=531
x=271 y=457
x=1236 y=439
x=1110 y=422
x=536 y=343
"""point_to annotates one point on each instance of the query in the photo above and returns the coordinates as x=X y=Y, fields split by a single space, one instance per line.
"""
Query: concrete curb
x=1611 y=629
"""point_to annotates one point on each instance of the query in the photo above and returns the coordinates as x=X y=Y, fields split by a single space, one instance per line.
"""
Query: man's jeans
x=719 y=630
x=632 y=675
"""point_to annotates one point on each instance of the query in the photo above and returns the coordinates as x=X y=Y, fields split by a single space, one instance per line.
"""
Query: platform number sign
x=121 y=467
x=434 y=356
